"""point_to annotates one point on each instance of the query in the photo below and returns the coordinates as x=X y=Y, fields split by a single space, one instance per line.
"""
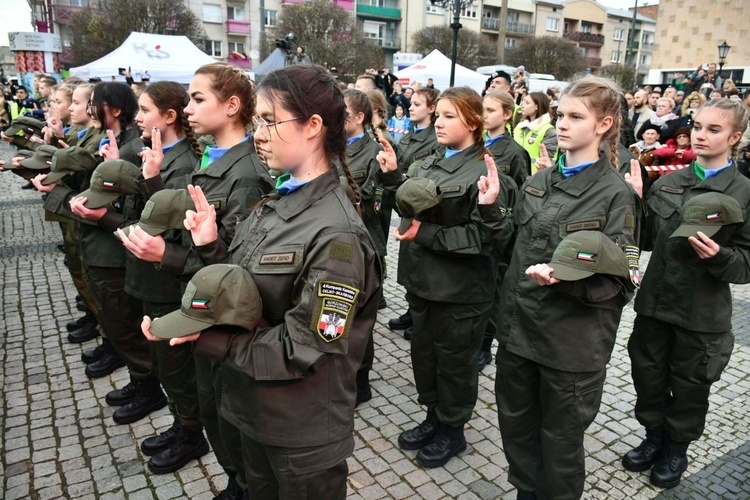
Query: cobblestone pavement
x=59 y=440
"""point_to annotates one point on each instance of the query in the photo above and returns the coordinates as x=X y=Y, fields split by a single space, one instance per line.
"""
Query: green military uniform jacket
x=679 y=287
x=233 y=184
x=570 y=326
x=452 y=258
x=364 y=168
x=511 y=159
x=142 y=280
x=416 y=146
x=293 y=379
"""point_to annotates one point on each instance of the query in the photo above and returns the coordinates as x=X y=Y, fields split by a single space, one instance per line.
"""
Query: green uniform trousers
x=444 y=349
x=543 y=414
x=71 y=243
x=295 y=473
x=175 y=368
x=224 y=437
x=120 y=316
x=673 y=369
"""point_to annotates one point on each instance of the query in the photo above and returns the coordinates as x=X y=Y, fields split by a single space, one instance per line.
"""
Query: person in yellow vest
x=22 y=104
x=536 y=127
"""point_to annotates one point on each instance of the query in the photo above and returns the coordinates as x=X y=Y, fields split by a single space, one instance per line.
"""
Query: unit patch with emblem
x=336 y=303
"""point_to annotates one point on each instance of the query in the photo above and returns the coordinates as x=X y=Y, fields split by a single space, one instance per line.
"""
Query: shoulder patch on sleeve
x=333 y=318
x=343 y=252
x=632 y=253
x=630 y=221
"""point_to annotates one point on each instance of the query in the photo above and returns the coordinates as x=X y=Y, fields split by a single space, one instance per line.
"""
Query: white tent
x=157 y=57
x=438 y=67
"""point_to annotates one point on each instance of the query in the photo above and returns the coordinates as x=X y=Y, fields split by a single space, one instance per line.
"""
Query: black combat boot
x=108 y=362
x=401 y=323
x=186 y=446
x=448 y=443
x=79 y=323
x=84 y=334
x=409 y=333
x=121 y=397
x=232 y=492
x=667 y=472
x=95 y=354
x=148 y=397
x=155 y=444
x=416 y=438
x=645 y=455
x=526 y=495
x=364 y=391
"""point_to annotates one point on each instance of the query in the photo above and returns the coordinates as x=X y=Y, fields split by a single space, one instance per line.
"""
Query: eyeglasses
x=261 y=123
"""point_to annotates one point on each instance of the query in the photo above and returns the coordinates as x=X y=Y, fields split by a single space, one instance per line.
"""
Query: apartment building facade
x=235 y=29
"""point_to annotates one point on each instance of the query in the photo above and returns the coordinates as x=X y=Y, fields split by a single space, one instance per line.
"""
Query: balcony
x=62 y=14
x=387 y=10
x=582 y=38
x=493 y=24
x=388 y=43
x=594 y=62
x=237 y=27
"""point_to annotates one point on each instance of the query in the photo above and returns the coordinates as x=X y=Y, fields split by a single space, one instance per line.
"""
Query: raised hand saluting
x=152 y=157
x=634 y=177
x=387 y=157
x=489 y=186
x=110 y=151
x=544 y=160
x=202 y=222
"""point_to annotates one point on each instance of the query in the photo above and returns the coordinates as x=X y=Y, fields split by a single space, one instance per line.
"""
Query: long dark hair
x=116 y=95
x=306 y=90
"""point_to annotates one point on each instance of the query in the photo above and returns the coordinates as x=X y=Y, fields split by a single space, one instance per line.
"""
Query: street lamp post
x=723 y=51
x=457 y=6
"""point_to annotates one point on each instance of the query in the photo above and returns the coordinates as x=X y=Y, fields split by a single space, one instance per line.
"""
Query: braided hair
x=228 y=81
x=171 y=95
x=306 y=90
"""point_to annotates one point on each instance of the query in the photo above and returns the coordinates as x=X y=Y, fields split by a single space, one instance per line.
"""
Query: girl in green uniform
x=682 y=336
x=448 y=265
x=292 y=390
x=555 y=338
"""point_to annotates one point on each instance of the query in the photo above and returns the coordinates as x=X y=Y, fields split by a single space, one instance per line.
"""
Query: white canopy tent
x=149 y=56
x=438 y=67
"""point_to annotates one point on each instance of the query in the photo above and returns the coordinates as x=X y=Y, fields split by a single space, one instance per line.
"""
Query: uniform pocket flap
x=661 y=207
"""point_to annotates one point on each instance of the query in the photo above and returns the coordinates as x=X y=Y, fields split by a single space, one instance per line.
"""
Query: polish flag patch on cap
x=199 y=304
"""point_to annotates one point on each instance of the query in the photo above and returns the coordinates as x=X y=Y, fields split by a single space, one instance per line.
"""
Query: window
x=67 y=43
x=213 y=48
x=211 y=13
x=615 y=56
x=510 y=43
x=647 y=39
x=270 y=18
x=79 y=3
x=585 y=27
x=553 y=24
x=434 y=9
x=236 y=13
x=619 y=32
x=645 y=60
x=469 y=11
x=236 y=47
x=373 y=30
x=566 y=27
x=512 y=17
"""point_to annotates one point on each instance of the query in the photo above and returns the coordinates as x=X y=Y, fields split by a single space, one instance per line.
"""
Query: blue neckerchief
x=571 y=171
x=489 y=141
x=81 y=133
x=354 y=139
x=166 y=148
x=103 y=142
x=65 y=130
x=286 y=184
x=449 y=153
x=211 y=154
x=417 y=129
x=714 y=172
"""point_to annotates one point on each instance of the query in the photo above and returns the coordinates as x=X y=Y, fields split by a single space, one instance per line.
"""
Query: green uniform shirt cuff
x=426 y=234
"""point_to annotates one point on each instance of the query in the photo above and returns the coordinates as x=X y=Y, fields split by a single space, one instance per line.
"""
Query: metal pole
x=456 y=26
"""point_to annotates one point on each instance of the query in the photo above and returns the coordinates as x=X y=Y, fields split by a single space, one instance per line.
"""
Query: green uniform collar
x=297 y=201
